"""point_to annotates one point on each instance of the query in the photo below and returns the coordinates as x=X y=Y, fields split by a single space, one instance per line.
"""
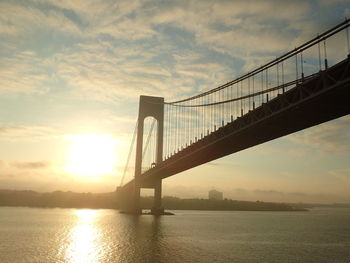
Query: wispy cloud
x=327 y=138
x=342 y=175
x=95 y=49
x=214 y=163
x=333 y=2
x=27 y=133
x=30 y=165
x=31 y=20
x=23 y=72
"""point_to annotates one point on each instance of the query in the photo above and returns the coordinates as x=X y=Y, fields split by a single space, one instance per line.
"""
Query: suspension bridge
x=302 y=88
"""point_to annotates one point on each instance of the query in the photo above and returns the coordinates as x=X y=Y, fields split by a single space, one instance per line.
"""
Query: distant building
x=215 y=195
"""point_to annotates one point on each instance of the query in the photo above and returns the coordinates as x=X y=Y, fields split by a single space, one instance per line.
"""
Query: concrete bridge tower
x=149 y=107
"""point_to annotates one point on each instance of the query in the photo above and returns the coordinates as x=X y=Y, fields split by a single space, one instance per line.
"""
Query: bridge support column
x=157 y=208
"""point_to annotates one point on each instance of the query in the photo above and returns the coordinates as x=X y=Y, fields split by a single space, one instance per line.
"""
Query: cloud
x=331 y=137
x=213 y=163
x=97 y=72
x=333 y=2
x=44 y=180
x=101 y=54
x=30 y=165
x=30 y=20
x=94 y=51
x=347 y=12
x=27 y=133
x=237 y=27
x=23 y=72
x=341 y=174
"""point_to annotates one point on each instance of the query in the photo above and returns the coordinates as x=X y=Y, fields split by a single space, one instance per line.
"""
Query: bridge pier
x=157 y=208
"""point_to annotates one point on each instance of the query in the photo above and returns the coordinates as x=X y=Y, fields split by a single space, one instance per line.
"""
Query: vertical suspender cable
x=262 y=87
x=325 y=55
x=231 y=103
x=241 y=99
x=302 y=66
x=253 y=93
x=176 y=109
x=347 y=37
x=282 y=78
x=278 y=77
x=296 y=68
x=267 y=85
x=237 y=102
x=319 y=55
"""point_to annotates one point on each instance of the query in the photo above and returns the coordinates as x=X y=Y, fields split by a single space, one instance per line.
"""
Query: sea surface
x=83 y=235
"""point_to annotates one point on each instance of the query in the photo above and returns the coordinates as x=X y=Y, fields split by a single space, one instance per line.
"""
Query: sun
x=91 y=155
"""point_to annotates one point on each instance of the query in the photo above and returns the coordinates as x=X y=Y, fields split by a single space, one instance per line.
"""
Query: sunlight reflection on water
x=84 y=238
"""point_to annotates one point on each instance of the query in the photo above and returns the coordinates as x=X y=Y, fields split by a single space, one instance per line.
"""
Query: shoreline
x=60 y=199
x=147 y=209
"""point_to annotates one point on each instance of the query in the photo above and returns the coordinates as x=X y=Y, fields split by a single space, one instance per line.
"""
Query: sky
x=71 y=73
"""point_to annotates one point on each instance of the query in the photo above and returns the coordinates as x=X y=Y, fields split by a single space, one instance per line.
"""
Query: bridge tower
x=149 y=107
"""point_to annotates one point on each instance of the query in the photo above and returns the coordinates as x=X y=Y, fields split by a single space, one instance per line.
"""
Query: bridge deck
x=319 y=99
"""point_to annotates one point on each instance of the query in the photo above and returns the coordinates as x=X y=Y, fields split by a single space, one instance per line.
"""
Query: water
x=73 y=235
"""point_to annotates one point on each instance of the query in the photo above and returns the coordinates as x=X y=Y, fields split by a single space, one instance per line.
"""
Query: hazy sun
x=91 y=155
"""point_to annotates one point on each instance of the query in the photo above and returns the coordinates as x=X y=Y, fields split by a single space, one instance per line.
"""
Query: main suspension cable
x=319 y=38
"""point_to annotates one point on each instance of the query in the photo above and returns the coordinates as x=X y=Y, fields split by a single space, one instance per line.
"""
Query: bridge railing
x=191 y=119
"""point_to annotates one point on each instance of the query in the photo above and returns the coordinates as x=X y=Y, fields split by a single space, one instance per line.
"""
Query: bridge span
x=260 y=106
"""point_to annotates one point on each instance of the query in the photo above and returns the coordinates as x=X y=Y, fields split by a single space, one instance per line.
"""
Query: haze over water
x=73 y=235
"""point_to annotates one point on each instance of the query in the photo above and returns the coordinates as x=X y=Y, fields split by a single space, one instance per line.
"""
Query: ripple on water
x=83 y=235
